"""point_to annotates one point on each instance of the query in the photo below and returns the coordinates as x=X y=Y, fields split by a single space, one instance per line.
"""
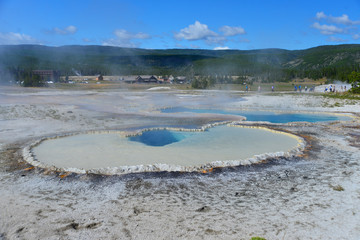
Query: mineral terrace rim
x=28 y=155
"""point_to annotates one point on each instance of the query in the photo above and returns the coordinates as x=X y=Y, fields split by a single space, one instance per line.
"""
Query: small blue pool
x=169 y=150
x=158 y=138
x=267 y=116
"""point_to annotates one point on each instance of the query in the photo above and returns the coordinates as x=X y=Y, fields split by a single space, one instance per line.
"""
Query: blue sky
x=160 y=24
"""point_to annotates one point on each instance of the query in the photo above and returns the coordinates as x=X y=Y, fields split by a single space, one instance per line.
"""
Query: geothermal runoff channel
x=173 y=149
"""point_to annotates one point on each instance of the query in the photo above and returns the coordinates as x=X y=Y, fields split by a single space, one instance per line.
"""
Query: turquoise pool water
x=174 y=149
x=158 y=138
x=268 y=116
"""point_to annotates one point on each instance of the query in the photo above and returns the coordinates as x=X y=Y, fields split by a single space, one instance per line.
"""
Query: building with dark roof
x=47 y=75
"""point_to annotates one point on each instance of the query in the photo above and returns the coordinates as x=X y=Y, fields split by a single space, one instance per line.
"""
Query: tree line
x=209 y=66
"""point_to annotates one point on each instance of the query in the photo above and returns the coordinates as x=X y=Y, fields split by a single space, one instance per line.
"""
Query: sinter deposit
x=315 y=195
x=187 y=151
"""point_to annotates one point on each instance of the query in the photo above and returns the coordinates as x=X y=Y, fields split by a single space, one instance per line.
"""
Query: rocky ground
x=312 y=196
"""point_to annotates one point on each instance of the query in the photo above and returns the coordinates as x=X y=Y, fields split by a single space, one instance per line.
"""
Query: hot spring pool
x=166 y=150
x=268 y=116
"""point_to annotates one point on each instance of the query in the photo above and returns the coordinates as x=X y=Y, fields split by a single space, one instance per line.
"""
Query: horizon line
x=156 y=49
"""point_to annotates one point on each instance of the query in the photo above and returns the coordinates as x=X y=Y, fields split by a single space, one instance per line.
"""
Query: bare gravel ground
x=314 y=196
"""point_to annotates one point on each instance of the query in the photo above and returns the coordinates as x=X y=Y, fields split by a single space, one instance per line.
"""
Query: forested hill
x=335 y=61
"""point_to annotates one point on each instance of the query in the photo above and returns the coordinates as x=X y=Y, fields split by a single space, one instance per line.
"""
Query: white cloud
x=196 y=31
x=195 y=46
x=125 y=35
x=343 y=19
x=320 y=15
x=69 y=30
x=87 y=40
x=327 y=29
x=125 y=39
x=17 y=38
x=337 y=25
x=119 y=43
x=232 y=31
x=216 y=40
x=221 y=48
x=335 y=39
x=356 y=36
x=199 y=31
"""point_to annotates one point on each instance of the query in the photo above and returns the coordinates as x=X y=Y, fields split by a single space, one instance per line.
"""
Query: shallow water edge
x=29 y=156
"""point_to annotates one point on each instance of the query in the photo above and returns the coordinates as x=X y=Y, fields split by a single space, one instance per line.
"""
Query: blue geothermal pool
x=158 y=138
x=267 y=116
x=167 y=150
